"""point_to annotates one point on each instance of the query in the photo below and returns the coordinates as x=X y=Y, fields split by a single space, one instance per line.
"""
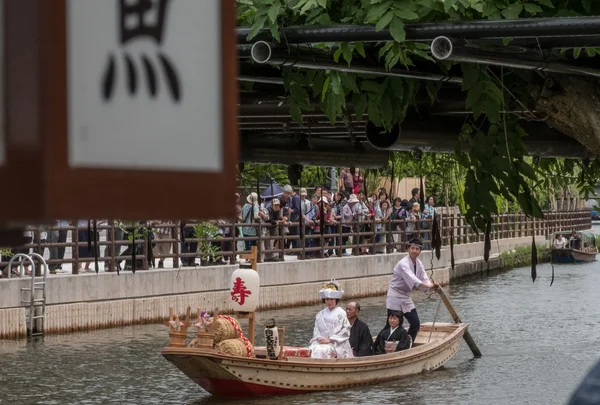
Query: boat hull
x=233 y=377
x=572 y=256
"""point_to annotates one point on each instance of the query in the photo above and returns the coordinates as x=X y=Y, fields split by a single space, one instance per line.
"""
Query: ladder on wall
x=35 y=295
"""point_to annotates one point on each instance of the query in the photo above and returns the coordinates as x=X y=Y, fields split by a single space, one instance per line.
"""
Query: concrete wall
x=88 y=301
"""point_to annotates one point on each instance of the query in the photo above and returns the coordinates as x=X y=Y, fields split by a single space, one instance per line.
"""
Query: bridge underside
x=270 y=135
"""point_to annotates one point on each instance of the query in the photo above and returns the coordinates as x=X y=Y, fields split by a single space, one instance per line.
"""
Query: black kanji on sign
x=139 y=19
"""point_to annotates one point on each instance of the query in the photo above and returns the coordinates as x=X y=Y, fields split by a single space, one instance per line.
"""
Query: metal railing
x=274 y=242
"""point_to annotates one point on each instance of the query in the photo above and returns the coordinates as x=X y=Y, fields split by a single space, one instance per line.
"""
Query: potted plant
x=204 y=232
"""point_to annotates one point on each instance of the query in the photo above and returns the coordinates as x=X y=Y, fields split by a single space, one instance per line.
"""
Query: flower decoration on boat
x=176 y=324
x=205 y=320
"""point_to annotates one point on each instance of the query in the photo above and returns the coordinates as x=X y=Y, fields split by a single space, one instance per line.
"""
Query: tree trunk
x=572 y=105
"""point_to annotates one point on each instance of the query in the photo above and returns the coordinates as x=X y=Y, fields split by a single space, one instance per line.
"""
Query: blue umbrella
x=272 y=191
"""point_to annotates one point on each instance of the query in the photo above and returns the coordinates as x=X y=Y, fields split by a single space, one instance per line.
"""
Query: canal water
x=537 y=342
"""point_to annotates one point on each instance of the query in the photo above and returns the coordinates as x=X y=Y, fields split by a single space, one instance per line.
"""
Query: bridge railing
x=180 y=244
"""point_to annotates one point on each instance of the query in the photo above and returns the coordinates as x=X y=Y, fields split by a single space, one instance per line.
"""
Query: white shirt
x=408 y=275
x=560 y=243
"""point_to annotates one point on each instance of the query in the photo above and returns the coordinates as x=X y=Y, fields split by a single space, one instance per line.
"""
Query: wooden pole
x=253 y=257
x=467 y=336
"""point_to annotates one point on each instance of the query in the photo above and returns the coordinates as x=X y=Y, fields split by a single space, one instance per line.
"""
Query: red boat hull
x=240 y=389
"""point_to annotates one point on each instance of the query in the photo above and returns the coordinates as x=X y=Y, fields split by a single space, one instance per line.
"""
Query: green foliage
x=254 y=174
x=139 y=232
x=6 y=252
x=521 y=256
x=313 y=176
x=204 y=231
x=491 y=153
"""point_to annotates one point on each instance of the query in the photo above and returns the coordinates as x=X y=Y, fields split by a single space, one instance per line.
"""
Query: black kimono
x=360 y=339
x=400 y=335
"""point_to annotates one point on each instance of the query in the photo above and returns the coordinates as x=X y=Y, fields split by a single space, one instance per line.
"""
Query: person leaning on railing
x=412 y=217
x=163 y=230
x=331 y=229
x=348 y=218
x=323 y=210
x=58 y=235
x=274 y=220
x=428 y=213
x=361 y=214
x=293 y=204
x=309 y=222
x=382 y=216
x=250 y=214
x=186 y=229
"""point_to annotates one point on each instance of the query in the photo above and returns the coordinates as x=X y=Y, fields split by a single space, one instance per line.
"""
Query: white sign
x=2 y=135
x=144 y=84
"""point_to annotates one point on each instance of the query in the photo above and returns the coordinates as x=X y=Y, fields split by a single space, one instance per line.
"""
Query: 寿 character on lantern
x=245 y=290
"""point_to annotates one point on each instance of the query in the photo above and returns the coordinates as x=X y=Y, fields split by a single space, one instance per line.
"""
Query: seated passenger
x=332 y=329
x=560 y=241
x=392 y=338
x=360 y=336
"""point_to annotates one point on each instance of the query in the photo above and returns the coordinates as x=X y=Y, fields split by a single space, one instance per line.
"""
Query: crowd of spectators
x=282 y=225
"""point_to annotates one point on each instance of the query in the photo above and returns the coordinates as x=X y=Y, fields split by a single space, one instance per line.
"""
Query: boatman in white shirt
x=409 y=274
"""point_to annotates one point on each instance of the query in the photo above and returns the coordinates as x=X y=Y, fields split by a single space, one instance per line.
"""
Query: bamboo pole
x=467 y=336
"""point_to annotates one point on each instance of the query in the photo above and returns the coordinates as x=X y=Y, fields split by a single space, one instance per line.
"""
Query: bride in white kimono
x=332 y=328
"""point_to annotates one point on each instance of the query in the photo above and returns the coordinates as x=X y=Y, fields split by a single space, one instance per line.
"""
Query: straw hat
x=252 y=198
x=352 y=199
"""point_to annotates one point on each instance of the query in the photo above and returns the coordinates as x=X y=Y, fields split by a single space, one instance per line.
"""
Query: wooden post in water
x=253 y=257
x=467 y=336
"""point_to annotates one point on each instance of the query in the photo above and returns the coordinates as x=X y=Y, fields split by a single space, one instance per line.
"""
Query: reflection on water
x=537 y=343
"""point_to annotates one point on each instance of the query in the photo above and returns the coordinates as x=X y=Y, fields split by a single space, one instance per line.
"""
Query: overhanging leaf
x=397 y=30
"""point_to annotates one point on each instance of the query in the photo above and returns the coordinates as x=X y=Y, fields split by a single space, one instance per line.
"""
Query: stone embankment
x=92 y=301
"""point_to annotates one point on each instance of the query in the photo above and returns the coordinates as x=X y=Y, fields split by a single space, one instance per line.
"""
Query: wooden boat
x=229 y=376
x=584 y=251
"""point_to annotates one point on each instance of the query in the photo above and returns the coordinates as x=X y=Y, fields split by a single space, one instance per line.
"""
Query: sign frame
x=36 y=122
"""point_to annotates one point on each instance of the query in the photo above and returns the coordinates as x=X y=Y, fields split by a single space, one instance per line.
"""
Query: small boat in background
x=581 y=247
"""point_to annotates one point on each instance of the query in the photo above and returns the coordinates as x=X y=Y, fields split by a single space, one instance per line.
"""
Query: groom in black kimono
x=360 y=336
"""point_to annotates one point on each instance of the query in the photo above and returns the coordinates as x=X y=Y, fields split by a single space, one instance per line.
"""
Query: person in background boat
x=575 y=241
x=393 y=337
x=332 y=328
x=409 y=274
x=360 y=335
x=560 y=242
